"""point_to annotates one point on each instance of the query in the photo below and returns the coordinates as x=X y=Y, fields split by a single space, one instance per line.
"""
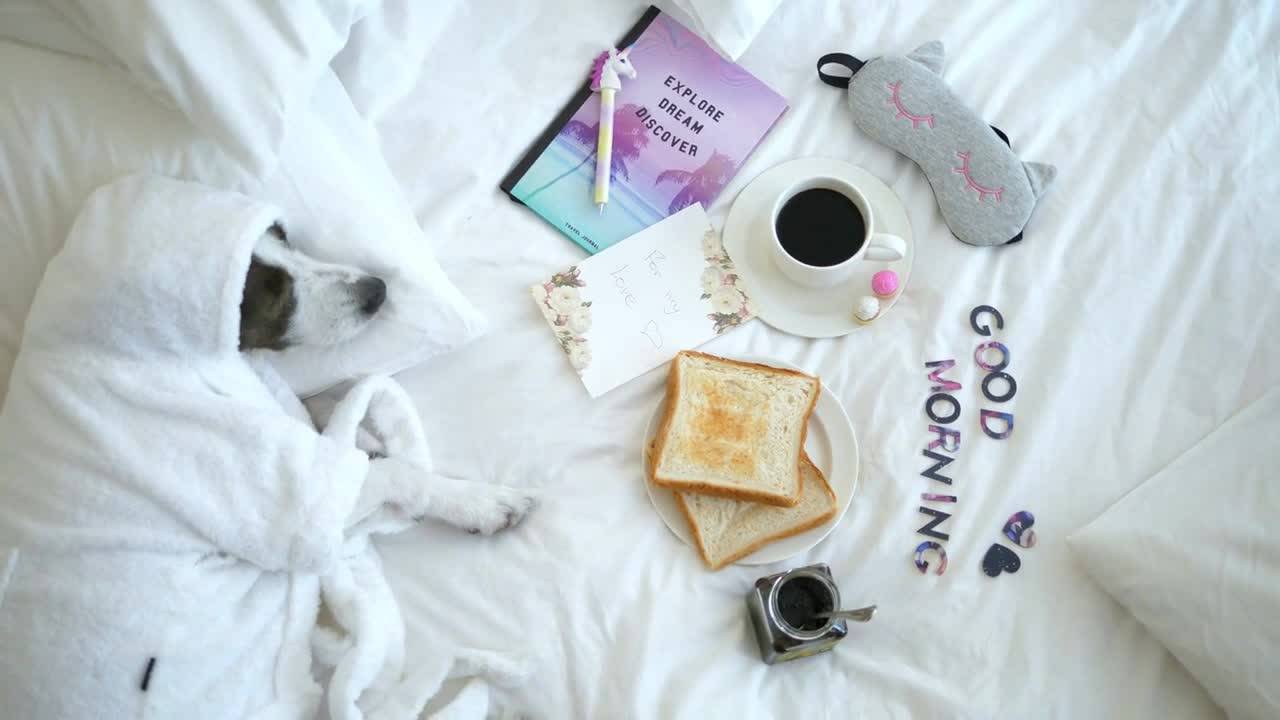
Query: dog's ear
x=277 y=230
x=266 y=307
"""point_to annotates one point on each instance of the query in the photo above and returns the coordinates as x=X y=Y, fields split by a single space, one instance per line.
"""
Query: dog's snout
x=372 y=292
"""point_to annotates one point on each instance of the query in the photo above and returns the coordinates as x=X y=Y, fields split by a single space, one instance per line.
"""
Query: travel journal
x=632 y=307
x=682 y=128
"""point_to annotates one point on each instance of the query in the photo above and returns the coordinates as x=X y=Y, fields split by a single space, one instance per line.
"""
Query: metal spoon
x=859 y=615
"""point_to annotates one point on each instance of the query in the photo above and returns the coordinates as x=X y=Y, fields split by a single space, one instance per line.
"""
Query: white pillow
x=345 y=206
x=236 y=68
x=38 y=24
x=730 y=25
x=71 y=125
x=1194 y=554
x=386 y=50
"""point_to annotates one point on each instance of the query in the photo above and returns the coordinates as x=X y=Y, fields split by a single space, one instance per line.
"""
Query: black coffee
x=820 y=227
x=800 y=600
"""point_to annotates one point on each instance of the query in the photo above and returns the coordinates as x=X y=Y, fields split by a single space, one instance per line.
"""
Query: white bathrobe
x=161 y=520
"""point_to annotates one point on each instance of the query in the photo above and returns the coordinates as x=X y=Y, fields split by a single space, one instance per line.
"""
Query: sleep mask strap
x=846 y=60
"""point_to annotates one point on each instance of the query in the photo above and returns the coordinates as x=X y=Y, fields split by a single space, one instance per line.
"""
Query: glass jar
x=783 y=610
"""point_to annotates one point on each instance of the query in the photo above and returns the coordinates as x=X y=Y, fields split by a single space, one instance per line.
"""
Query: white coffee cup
x=874 y=246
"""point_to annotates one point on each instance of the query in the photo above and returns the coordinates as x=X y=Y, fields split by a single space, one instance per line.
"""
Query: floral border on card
x=730 y=304
x=569 y=314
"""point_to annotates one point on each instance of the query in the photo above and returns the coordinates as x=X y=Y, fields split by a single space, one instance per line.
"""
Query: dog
x=293 y=300
x=170 y=516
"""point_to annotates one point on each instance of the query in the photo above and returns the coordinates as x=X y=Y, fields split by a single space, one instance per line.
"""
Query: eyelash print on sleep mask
x=985 y=192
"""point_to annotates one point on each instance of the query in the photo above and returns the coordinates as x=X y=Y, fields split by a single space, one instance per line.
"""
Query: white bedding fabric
x=729 y=25
x=1141 y=311
x=239 y=71
x=1194 y=554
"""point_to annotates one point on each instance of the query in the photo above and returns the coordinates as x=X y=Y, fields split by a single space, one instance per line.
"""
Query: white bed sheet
x=1142 y=311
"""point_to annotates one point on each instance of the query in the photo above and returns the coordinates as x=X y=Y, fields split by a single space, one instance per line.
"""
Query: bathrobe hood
x=153 y=267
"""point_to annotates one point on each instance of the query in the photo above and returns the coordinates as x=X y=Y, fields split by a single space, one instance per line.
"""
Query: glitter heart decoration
x=1000 y=559
x=1018 y=529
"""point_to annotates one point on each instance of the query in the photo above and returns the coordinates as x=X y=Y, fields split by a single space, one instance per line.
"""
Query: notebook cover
x=682 y=128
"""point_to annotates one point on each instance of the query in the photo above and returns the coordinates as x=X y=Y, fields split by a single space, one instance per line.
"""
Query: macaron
x=868 y=309
x=884 y=283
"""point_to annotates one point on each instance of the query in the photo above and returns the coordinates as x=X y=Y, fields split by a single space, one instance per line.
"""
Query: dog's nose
x=372 y=292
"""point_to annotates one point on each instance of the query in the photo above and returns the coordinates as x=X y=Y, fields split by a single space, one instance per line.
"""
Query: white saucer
x=830 y=444
x=793 y=308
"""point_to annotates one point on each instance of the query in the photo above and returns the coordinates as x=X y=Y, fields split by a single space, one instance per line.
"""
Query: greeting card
x=632 y=307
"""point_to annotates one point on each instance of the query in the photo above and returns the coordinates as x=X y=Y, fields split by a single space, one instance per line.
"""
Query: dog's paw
x=504 y=508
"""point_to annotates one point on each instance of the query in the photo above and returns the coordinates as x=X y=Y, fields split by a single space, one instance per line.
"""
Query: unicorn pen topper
x=605 y=79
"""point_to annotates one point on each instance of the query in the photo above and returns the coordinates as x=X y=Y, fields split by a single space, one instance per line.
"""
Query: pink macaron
x=884 y=283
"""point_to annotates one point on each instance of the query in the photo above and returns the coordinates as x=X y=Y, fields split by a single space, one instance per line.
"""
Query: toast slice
x=726 y=531
x=734 y=429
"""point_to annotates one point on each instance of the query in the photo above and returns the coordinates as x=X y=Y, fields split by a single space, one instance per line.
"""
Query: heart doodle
x=1018 y=528
x=1000 y=559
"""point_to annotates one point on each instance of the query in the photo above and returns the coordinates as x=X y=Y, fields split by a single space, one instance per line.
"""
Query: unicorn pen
x=605 y=79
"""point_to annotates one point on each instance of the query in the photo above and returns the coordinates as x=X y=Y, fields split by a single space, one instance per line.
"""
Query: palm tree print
x=629 y=138
x=701 y=185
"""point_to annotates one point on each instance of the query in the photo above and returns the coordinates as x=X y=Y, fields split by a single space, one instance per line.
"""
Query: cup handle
x=886 y=247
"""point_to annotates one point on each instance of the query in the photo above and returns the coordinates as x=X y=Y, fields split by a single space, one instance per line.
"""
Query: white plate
x=793 y=308
x=831 y=446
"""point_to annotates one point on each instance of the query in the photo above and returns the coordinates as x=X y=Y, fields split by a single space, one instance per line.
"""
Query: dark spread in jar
x=799 y=602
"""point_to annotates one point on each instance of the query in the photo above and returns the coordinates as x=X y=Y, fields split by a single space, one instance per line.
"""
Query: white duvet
x=1141 y=311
